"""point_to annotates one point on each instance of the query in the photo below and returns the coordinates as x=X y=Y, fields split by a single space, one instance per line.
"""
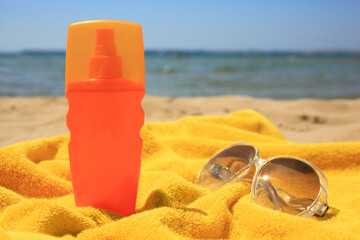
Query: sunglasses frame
x=318 y=207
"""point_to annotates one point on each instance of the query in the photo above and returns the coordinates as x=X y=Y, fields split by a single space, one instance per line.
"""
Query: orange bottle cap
x=104 y=49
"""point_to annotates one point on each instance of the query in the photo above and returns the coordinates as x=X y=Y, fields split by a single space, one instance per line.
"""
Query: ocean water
x=178 y=73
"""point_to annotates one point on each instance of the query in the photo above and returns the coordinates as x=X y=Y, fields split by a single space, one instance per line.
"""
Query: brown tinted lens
x=225 y=164
x=287 y=184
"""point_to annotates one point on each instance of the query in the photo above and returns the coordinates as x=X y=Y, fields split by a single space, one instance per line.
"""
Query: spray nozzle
x=105 y=45
x=105 y=63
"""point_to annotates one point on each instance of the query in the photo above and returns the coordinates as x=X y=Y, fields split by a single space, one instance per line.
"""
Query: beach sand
x=301 y=121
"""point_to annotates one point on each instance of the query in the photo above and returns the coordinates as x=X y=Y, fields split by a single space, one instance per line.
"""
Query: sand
x=301 y=121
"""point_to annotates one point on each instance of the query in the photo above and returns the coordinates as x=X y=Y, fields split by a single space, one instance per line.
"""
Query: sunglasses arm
x=220 y=172
x=274 y=197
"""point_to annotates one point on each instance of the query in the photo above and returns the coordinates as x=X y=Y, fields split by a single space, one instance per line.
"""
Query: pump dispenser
x=105 y=84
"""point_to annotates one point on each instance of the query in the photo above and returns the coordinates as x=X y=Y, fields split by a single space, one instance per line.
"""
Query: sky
x=190 y=24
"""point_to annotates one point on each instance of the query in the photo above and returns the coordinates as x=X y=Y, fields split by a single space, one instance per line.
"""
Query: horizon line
x=190 y=50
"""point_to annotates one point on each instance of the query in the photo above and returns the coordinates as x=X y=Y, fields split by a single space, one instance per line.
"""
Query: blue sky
x=186 y=24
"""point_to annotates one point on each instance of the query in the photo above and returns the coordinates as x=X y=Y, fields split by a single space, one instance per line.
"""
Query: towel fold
x=37 y=202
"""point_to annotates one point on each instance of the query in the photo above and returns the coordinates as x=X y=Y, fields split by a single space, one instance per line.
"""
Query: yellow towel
x=36 y=199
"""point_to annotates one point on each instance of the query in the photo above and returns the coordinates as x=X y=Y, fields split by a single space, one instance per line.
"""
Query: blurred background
x=264 y=49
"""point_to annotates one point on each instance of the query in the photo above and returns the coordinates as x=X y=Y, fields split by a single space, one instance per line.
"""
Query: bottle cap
x=104 y=49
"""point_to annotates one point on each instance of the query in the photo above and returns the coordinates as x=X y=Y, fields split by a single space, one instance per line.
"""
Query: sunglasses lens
x=287 y=185
x=224 y=165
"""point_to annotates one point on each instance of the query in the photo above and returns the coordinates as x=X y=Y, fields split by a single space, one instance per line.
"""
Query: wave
x=225 y=69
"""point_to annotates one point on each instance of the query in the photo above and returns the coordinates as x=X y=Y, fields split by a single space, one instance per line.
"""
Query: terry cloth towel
x=36 y=199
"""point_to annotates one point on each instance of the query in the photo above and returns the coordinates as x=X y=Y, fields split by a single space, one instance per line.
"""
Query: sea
x=275 y=75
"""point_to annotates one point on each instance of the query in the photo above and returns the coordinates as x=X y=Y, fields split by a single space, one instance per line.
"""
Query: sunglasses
x=284 y=183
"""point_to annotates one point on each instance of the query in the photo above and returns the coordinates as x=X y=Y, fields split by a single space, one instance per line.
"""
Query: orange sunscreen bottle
x=105 y=85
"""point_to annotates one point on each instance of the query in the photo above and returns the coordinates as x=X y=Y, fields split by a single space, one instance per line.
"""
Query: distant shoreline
x=200 y=52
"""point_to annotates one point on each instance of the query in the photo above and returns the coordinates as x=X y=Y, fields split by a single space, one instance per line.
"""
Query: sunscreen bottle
x=105 y=85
